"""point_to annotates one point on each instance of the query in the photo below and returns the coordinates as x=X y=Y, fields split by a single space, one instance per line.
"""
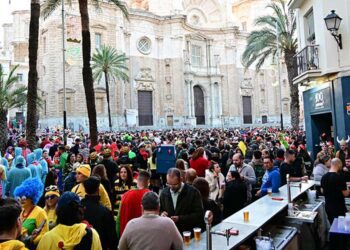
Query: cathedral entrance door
x=199 y=105
x=145 y=106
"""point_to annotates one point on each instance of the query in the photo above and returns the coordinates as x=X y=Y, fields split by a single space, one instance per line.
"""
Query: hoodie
x=16 y=176
x=18 y=152
x=34 y=166
x=12 y=245
x=273 y=181
x=67 y=237
x=44 y=166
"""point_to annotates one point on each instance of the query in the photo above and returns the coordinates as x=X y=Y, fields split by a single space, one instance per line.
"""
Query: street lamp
x=64 y=75
x=332 y=23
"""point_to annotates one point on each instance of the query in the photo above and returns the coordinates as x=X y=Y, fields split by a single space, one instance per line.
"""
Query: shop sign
x=320 y=100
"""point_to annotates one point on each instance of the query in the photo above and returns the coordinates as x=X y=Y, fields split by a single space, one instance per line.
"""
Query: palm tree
x=10 y=97
x=32 y=95
x=262 y=44
x=108 y=63
x=48 y=8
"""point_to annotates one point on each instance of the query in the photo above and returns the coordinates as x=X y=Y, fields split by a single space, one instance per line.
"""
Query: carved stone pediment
x=98 y=26
x=246 y=92
x=247 y=83
x=145 y=86
x=145 y=75
x=68 y=90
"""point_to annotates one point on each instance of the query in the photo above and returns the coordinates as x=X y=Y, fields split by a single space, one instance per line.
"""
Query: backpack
x=86 y=241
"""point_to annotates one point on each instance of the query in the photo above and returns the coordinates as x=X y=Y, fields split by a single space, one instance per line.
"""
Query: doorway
x=199 y=105
x=322 y=123
x=145 y=106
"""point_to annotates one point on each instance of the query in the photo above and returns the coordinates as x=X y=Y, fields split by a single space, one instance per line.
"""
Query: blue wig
x=31 y=188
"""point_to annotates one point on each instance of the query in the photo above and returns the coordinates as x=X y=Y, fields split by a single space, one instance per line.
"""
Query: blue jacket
x=273 y=181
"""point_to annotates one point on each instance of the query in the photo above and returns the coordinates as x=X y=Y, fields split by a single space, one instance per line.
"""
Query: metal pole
x=64 y=75
x=279 y=74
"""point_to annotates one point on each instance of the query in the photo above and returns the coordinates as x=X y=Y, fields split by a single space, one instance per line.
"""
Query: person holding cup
x=272 y=183
x=216 y=181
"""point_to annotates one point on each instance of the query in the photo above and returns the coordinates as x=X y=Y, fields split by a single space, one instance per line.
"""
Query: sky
x=6 y=10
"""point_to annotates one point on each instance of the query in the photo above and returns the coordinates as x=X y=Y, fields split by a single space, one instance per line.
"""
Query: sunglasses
x=23 y=198
x=51 y=188
x=50 y=197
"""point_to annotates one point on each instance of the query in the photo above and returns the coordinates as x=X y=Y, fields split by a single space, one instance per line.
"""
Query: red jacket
x=200 y=165
x=130 y=207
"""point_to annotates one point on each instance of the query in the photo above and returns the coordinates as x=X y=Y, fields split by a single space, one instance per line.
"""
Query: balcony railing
x=307 y=59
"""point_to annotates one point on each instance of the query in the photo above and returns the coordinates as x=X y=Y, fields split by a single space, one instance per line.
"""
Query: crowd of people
x=111 y=196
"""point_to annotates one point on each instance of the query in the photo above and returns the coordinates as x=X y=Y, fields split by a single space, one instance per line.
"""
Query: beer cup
x=246 y=216
x=197 y=233
x=187 y=237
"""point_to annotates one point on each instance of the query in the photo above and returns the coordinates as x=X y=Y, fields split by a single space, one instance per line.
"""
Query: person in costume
x=51 y=198
x=124 y=183
x=34 y=166
x=34 y=219
x=344 y=152
x=83 y=172
x=3 y=174
x=18 y=153
x=44 y=166
x=70 y=232
x=16 y=176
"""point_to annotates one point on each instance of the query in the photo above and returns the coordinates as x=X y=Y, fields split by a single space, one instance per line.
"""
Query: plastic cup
x=187 y=237
x=341 y=222
x=246 y=216
x=347 y=222
x=197 y=233
x=269 y=191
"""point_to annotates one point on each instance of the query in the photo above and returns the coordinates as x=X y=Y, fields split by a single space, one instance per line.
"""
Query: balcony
x=308 y=63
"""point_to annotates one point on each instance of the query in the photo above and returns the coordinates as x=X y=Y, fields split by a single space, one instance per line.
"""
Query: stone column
x=212 y=99
x=220 y=99
x=189 y=108
x=192 y=100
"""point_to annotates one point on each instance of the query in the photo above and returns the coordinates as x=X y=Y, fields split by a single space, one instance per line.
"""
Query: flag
x=242 y=147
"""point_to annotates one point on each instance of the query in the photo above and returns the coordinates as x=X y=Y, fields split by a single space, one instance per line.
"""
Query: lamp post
x=64 y=75
x=333 y=21
x=279 y=74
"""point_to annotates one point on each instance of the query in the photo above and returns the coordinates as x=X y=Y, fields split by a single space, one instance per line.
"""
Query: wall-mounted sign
x=320 y=100
x=348 y=108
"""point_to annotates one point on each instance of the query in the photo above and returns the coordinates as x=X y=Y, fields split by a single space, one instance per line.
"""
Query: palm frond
x=122 y=6
x=11 y=96
x=108 y=61
x=49 y=7
x=262 y=43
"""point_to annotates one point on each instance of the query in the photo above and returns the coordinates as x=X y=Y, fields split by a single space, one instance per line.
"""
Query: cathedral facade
x=184 y=67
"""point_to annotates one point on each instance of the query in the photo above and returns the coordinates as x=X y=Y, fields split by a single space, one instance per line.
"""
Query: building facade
x=14 y=52
x=184 y=67
x=323 y=70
